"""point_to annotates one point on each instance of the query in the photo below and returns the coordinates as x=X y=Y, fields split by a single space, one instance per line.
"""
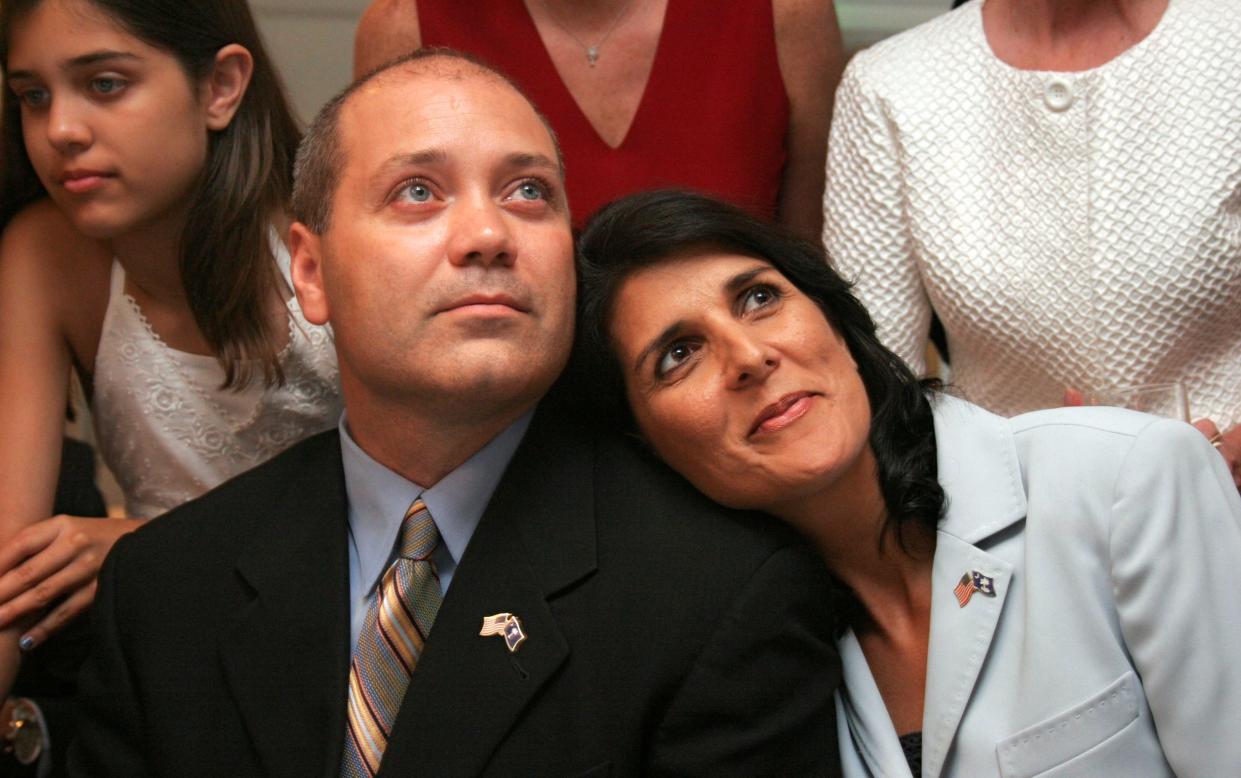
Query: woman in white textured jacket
x=1053 y=594
x=1060 y=181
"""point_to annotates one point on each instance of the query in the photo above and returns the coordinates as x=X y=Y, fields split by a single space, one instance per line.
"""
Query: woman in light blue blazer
x=1054 y=594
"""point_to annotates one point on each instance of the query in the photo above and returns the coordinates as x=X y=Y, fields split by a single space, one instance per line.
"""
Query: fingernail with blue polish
x=26 y=643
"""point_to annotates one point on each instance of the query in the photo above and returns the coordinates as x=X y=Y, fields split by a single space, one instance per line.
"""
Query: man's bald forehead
x=437 y=64
x=448 y=65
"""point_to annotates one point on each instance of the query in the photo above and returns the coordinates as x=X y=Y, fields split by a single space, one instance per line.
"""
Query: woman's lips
x=782 y=412
x=82 y=181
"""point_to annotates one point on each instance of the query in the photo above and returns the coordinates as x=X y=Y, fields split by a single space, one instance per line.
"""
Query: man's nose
x=482 y=233
x=749 y=360
x=68 y=130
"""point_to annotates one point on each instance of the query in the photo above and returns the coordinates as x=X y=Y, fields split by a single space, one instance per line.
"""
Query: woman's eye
x=757 y=297
x=674 y=356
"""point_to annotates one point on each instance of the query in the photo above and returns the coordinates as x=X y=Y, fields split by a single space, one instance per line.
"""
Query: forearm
x=811 y=59
x=34 y=386
x=388 y=29
x=10 y=658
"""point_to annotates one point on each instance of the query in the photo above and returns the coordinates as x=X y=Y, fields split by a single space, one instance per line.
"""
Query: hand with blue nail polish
x=48 y=571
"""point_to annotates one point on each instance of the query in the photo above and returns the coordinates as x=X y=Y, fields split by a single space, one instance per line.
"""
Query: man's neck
x=424 y=447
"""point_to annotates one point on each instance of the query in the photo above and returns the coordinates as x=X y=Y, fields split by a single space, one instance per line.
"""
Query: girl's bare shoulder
x=46 y=262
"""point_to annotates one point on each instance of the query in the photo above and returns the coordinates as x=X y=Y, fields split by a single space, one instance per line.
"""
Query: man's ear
x=306 y=268
x=226 y=84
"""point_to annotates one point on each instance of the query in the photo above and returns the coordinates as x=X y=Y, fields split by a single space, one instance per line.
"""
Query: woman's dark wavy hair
x=226 y=264
x=645 y=229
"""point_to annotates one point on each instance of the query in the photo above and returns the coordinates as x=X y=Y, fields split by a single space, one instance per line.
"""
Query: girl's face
x=115 y=129
x=739 y=382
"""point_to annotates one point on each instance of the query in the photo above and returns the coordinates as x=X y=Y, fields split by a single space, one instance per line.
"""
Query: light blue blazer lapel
x=960 y=640
x=862 y=710
x=981 y=475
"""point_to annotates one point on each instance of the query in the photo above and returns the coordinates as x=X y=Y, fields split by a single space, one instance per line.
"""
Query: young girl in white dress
x=144 y=179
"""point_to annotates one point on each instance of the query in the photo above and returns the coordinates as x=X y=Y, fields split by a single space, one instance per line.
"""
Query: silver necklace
x=592 y=52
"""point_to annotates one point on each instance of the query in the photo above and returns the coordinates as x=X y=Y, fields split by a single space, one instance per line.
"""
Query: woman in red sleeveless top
x=732 y=99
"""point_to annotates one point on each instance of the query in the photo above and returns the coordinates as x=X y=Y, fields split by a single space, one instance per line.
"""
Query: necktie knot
x=419 y=536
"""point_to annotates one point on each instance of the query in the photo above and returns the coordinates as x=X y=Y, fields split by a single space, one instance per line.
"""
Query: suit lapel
x=536 y=537
x=866 y=715
x=980 y=471
x=960 y=639
x=286 y=659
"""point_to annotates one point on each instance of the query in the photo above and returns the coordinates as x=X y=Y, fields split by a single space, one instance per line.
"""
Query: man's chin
x=498 y=376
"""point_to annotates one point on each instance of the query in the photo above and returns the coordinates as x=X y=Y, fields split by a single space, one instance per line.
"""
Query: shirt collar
x=378 y=497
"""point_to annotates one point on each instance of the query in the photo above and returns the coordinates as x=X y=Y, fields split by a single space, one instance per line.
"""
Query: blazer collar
x=536 y=538
x=286 y=659
x=979 y=470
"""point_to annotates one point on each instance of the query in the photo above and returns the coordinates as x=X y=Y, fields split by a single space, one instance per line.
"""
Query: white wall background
x=312 y=43
x=312 y=40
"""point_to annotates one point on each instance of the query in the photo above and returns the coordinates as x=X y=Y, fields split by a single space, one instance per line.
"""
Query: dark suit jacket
x=666 y=635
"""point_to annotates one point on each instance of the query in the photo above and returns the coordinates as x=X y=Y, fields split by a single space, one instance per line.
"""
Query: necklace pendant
x=592 y=55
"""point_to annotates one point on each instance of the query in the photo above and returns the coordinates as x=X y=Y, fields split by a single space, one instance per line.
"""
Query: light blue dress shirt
x=379 y=497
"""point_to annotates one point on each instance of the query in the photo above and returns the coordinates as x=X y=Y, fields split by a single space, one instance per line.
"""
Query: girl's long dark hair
x=646 y=229
x=225 y=253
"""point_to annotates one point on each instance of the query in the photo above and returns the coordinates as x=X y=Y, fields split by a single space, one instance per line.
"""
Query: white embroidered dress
x=166 y=429
x=1071 y=229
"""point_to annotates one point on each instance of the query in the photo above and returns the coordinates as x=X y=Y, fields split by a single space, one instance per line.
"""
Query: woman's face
x=114 y=128
x=738 y=381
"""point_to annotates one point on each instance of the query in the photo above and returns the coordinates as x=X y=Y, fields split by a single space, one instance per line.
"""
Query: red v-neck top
x=713 y=116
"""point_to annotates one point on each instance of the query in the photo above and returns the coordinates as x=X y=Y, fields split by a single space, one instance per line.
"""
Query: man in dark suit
x=592 y=614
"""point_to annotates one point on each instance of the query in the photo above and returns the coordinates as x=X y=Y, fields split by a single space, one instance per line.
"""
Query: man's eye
x=674 y=356
x=532 y=190
x=418 y=193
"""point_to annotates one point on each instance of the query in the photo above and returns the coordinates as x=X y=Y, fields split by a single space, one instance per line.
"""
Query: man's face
x=447 y=269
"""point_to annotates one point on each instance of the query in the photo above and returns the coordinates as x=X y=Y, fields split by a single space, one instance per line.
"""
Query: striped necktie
x=397 y=624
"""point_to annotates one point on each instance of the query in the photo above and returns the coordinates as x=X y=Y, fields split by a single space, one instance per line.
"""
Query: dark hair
x=645 y=229
x=225 y=256
x=320 y=157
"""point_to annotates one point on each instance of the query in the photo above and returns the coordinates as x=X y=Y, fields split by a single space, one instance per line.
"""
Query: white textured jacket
x=1110 y=646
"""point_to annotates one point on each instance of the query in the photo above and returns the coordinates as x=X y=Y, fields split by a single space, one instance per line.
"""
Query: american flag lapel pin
x=505 y=624
x=971 y=583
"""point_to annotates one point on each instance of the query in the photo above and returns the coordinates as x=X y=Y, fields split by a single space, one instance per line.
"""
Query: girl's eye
x=759 y=296
x=674 y=356
x=106 y=85
x=34 y=97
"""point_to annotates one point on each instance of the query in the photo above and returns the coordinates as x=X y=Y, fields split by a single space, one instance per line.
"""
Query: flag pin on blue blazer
x=971 y=582
x=505 y=624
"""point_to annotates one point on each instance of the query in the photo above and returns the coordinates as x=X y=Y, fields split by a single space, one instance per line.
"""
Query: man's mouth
x=483 y=303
